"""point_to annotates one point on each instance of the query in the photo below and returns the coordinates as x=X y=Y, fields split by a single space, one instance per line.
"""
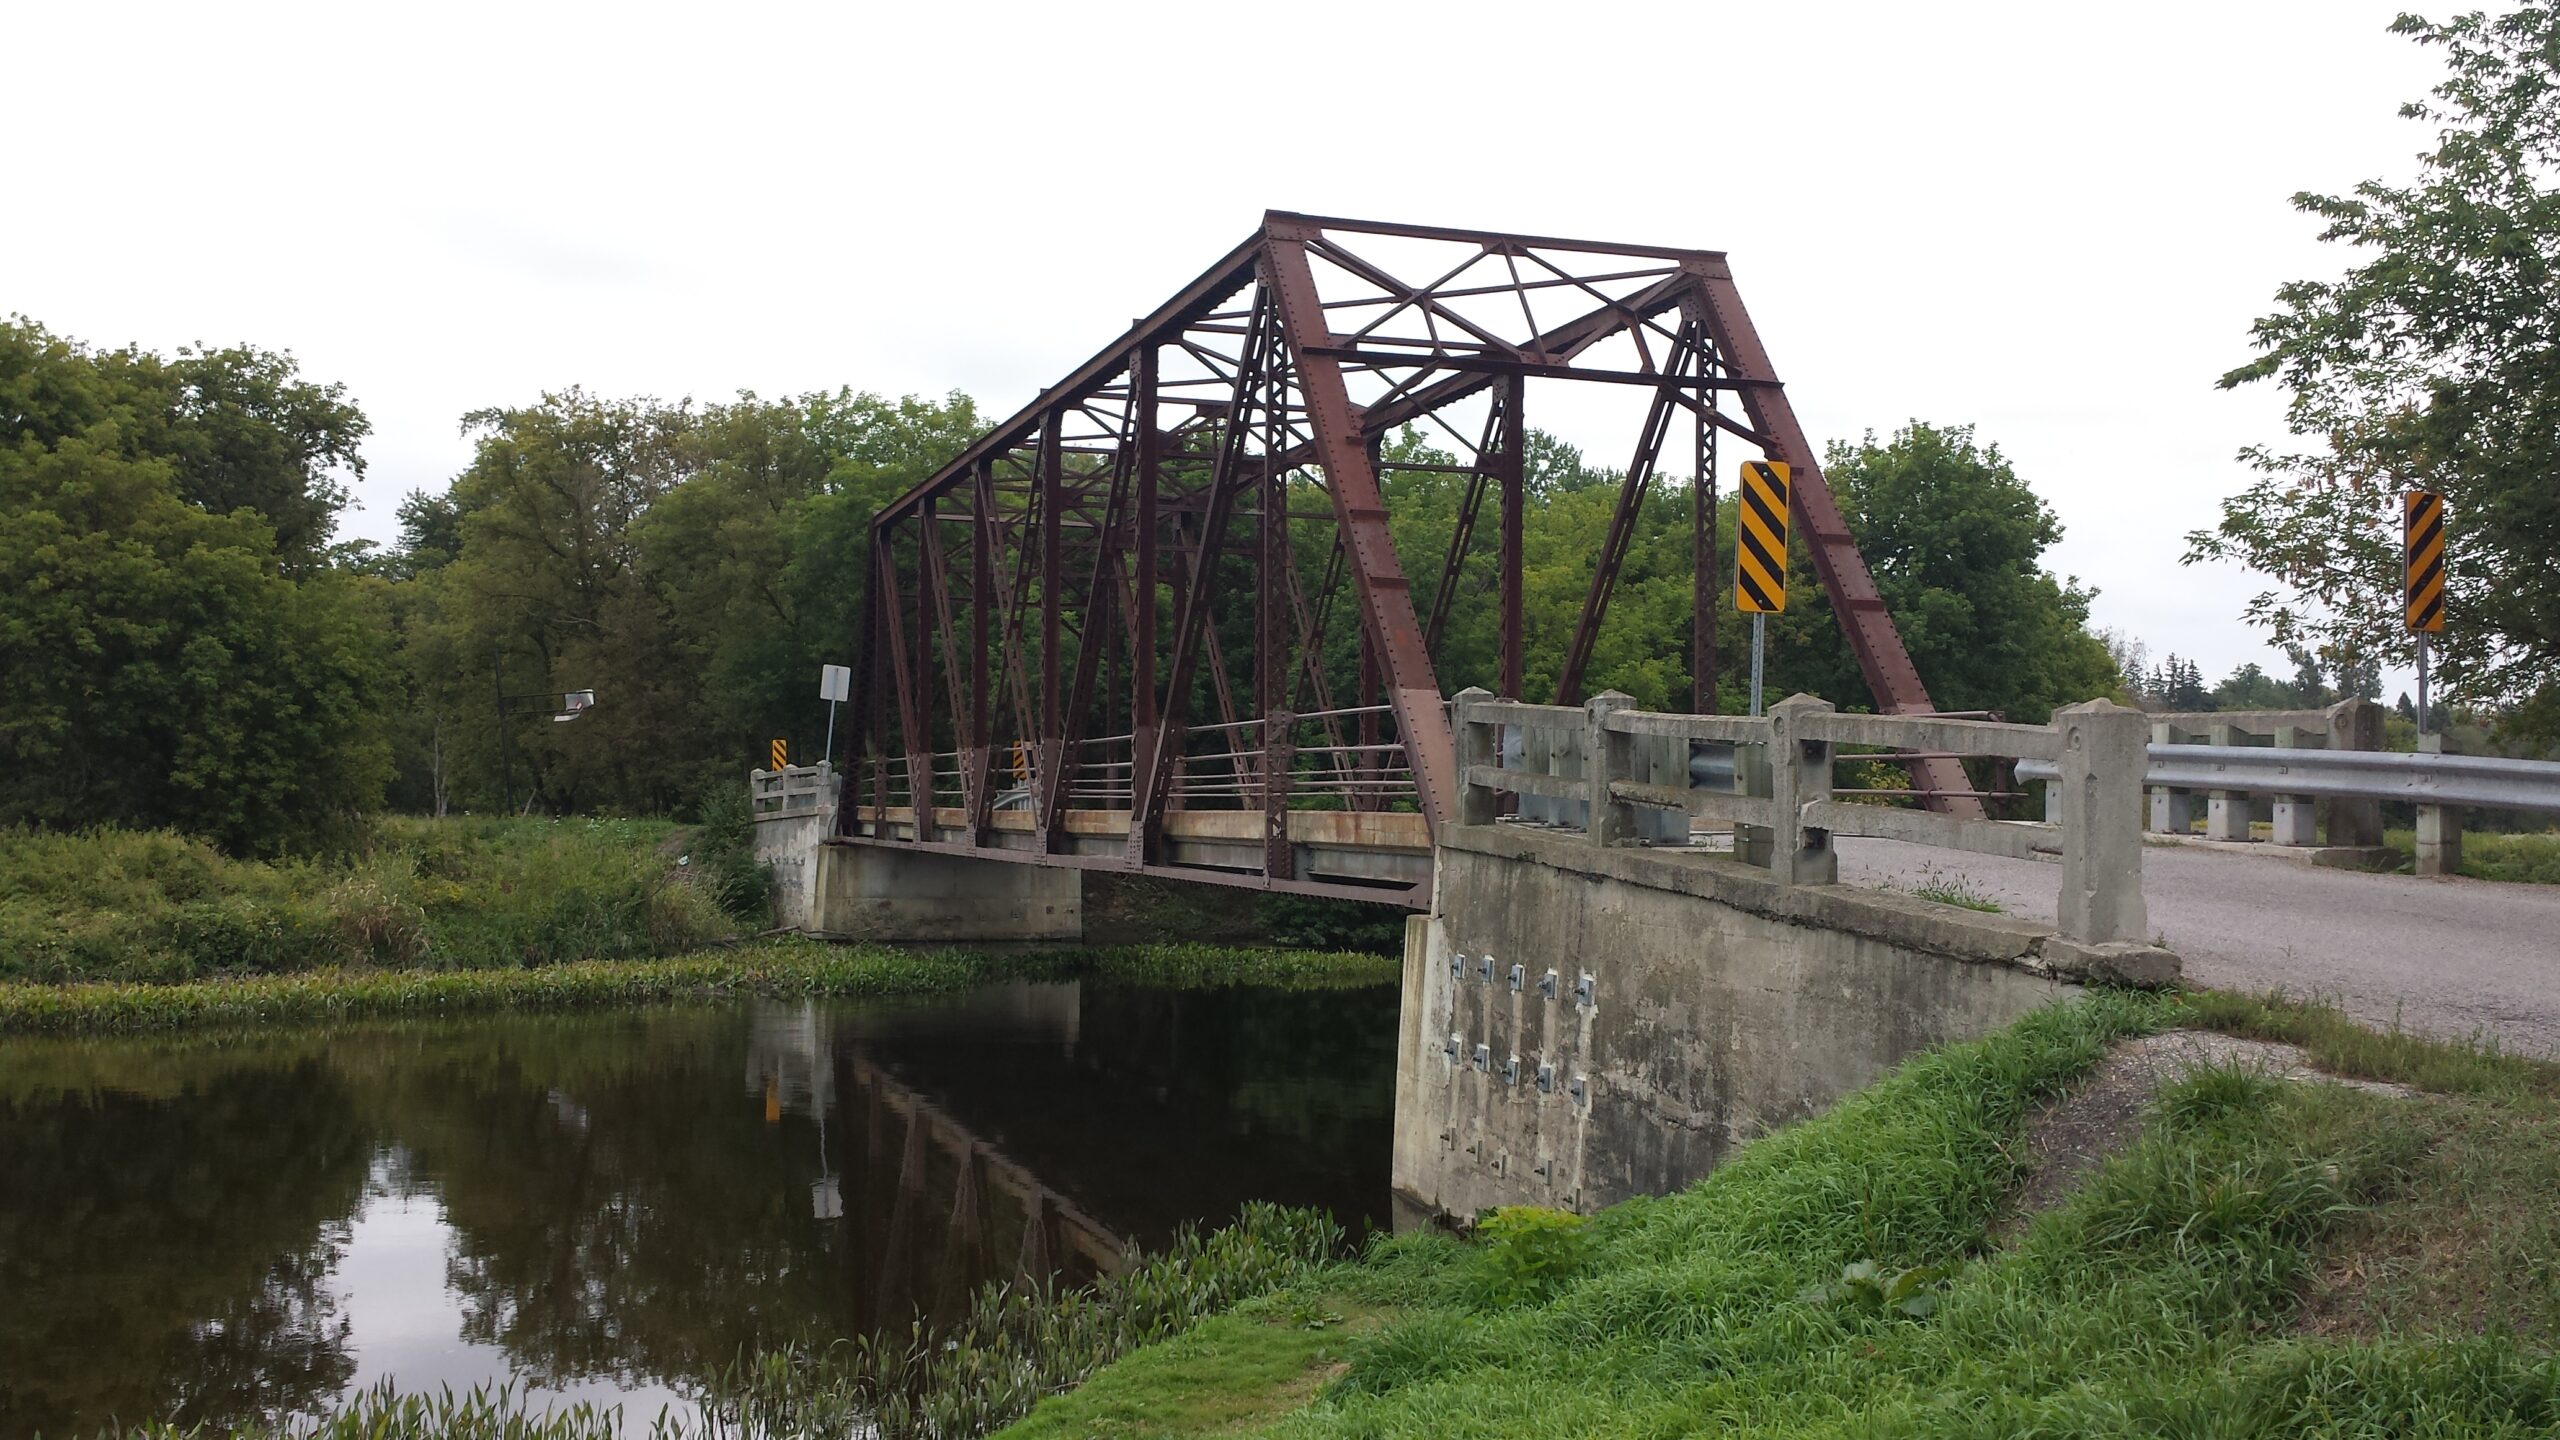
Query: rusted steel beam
x=1386 y=598
x=1462 y=534
x=1887 y=666
x=1703 y=573
x=911 y=722
x=1254 y=374
x=1196 y=299
x=1048 y=769
x=1201 y=584
x=1510 y=471
x=954 y=665
x=979 y=745
x=1142 y=609
x=1091 y=645
x=1622 y=525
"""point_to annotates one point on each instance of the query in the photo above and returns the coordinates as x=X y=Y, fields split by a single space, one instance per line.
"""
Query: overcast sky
x=2052 y=221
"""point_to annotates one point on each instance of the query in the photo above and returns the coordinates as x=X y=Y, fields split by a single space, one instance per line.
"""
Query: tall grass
x=782 y=966
x=2154 y=1301
x=1018 y=1343
x=454 y=894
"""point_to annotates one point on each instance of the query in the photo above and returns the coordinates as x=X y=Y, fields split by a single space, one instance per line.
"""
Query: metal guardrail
x=2483 y=782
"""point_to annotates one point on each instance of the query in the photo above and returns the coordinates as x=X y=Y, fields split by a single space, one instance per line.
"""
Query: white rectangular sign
x=835 y=682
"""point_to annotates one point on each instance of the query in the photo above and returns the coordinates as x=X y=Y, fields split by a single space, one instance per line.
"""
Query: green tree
x=2433 y=362
x=691 y=565
x=238 y=428
x=1955 y=541
x=167 y=664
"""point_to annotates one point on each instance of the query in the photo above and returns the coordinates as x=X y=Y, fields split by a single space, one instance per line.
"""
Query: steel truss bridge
x=1156 y=622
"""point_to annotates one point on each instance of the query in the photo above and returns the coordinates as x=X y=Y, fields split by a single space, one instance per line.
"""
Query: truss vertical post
x=1513 y=463
x=982 y=603
x=1704 y=609
x=1142 y=612
x=1272 y=645
x=922 y=743
x=1053 y=602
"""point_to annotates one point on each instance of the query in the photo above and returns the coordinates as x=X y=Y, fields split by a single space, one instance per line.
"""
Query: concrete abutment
x=879 y=892
x=1581 y=1024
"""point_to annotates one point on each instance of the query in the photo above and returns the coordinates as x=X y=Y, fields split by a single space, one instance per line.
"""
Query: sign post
x=835 y=686
x=781 y=755
x=2422 y=535
x=1760 y=556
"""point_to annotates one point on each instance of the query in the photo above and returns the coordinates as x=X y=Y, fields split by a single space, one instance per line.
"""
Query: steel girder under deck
x=1054 y=620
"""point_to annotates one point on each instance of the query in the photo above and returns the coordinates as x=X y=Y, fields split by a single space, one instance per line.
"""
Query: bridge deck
x=1369 y=855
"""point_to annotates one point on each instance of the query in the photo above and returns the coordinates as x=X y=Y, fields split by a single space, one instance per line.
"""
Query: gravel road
x=2456 y=958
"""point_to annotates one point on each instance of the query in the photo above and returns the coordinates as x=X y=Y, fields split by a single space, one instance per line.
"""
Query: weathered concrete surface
x=1722 y=1003
x=788 y=845
x=875 y=892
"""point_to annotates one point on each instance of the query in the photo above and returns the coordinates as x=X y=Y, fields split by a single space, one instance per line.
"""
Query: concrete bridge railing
x=794 y=810
x=1785 y=814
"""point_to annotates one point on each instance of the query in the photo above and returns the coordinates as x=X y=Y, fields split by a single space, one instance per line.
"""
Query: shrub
x=1528 y=1251
x=1314 y=923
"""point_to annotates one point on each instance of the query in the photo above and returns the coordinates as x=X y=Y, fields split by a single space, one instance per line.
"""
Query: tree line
x=190 y=644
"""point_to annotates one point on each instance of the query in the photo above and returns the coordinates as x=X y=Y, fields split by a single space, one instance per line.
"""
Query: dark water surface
x=600 y=1207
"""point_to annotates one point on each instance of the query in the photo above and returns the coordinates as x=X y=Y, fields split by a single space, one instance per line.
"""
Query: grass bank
x=766 y=967
x=152 y=906
x=2267 y=1259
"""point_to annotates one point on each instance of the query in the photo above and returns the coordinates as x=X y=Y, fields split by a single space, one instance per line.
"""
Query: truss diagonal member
x=1891 y=677
x=1386 y=598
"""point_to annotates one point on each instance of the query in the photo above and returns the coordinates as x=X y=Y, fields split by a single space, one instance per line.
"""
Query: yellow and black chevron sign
x=1760 y=554
x=2423 y=531
x=781 y=754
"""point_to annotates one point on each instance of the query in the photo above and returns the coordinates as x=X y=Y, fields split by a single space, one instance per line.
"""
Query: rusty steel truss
x=1045 y=669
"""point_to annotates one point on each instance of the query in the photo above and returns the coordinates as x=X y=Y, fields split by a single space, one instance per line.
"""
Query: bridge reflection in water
x=604 y=1206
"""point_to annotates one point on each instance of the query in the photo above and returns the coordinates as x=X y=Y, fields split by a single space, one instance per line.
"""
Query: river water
x=602 y=1206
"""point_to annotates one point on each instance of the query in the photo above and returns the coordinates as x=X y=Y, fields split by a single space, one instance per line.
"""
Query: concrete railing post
x=2102 y=766
x=2226 y=812
x=1608 y=755
x=1478 y=744
x=2355 y=725
x=2294 y=816
x=1799 y=774
x=2439 y=826
x=1751 y=777
x=2173 y=812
